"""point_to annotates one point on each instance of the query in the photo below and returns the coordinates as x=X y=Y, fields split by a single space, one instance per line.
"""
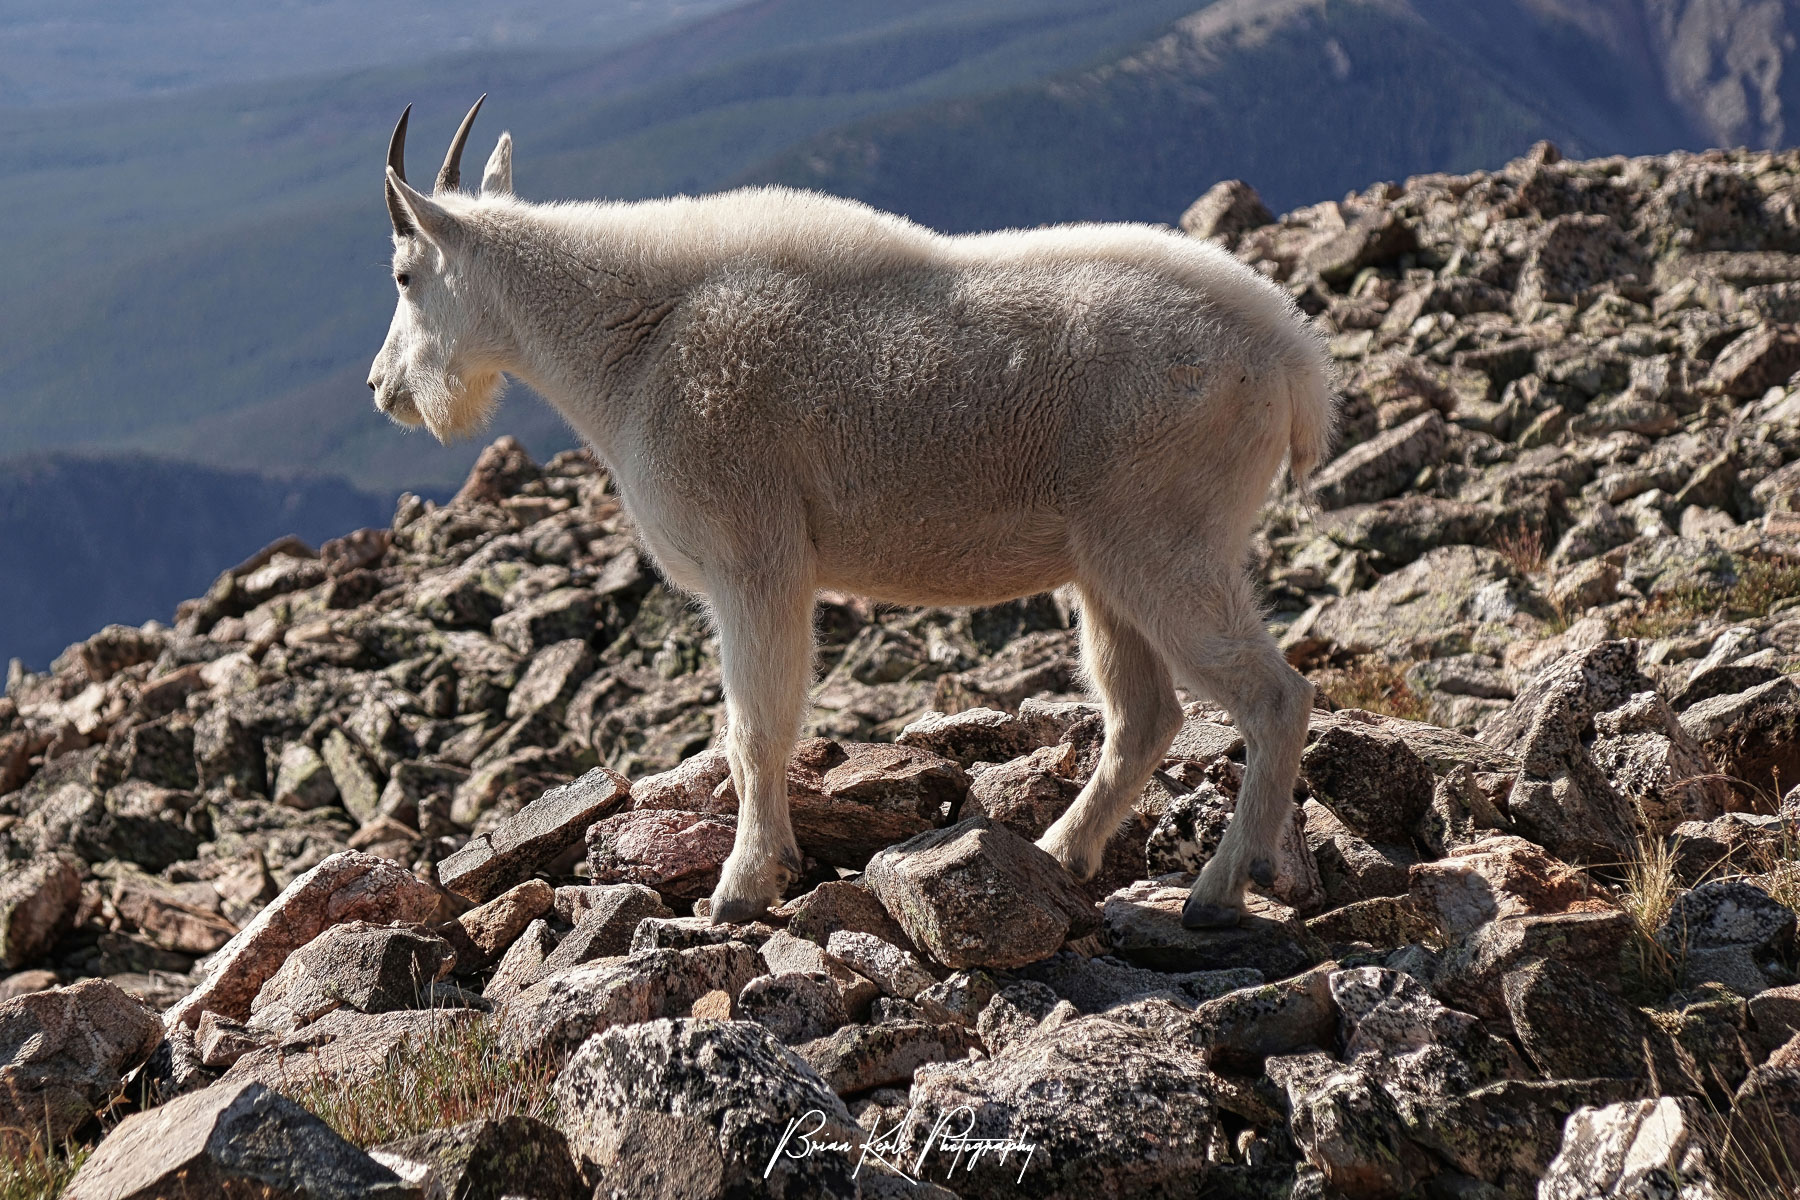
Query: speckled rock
x=345 y=1048
x=1637 y=1148
x=1346 y=1125
x=1015 y=1012
x=794 y=1006
x=485 y=1160
x=731 y=1090
x=1764 y=1126
x=894 y=971
x=523 y=961
x=856 y=1058
x=1240 y=1029
x=1562 y=799
x=1472 y=972
x=841 y=905
x=961 y=996
x=976 y=894
x=785 y=952
x=1096 y=984
x=1072 y=1092
x=1754 y=736
x=1571 y=1027
x=63 y=1051
x=971 y=736
x=492 y=927
x=1371 y=780
x=679 y=854
x=1726 y=913
x=368 y=968
x=38 y=898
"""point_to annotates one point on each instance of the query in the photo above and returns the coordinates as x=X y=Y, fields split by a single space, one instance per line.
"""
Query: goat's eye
x=403 y=279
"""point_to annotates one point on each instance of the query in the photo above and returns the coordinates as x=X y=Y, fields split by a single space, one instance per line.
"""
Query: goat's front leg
x=765 y=642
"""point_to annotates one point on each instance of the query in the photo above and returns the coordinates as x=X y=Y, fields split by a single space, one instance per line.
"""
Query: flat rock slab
x=350 y=886
x=529 y=839
x=63 y=1051
x=705 y=1103
x=232 y=1139
x=560 y=1011
x=1143 y=926
x=345 y=1048
x=977 y=894
x=1498 y=877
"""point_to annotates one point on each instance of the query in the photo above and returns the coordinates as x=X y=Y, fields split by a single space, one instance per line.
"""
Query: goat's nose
x=374 y=384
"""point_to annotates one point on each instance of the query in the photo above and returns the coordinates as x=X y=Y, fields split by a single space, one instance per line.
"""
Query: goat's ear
x=496 y=177
x=432 y=220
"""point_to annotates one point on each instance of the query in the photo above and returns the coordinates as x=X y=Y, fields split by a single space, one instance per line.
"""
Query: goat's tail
x=1312 y=408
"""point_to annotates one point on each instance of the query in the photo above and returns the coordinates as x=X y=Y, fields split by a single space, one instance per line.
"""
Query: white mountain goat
x=796 y=392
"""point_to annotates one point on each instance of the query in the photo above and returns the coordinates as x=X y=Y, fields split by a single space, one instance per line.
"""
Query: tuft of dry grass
x=458 y=1072
x=40 y=1174
x=1763 y=580
x=1523 y=549
x=1375 y=684
x=1650 y=888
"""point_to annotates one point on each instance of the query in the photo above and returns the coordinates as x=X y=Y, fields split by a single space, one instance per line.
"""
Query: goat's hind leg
x=1240 y=667
x=1142 y=716
x=765 y=643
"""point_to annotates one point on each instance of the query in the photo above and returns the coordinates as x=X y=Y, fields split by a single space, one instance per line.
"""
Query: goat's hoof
x=1263 y=872
x=1200 y=914
x=735 y=911
x=1080 y=865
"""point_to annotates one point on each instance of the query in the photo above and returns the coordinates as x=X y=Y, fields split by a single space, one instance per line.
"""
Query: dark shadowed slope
x=89 y=541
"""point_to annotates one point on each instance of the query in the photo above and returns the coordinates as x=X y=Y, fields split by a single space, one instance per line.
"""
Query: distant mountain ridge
x=1307 y=99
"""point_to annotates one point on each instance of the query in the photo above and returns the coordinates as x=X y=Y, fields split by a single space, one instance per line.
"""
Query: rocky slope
x=1532 y=931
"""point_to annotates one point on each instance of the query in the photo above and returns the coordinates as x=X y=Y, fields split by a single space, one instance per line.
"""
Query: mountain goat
x=796 y=392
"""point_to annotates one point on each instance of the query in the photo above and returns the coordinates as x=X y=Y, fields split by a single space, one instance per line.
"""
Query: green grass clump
x=456 y=1073
x=40 y=1174
x=1762 y=582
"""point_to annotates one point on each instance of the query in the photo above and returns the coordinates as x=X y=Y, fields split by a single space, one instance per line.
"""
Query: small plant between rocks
x=452 y=1074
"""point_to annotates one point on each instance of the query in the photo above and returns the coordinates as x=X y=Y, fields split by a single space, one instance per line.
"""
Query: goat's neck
x=585 y=312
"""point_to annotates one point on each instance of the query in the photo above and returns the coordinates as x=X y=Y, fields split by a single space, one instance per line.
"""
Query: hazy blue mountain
x=203 y=275
x=83 y=51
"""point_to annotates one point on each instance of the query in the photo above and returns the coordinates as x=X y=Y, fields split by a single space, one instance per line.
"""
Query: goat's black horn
x=397 y=160
x=397 y=146
x=451 y=174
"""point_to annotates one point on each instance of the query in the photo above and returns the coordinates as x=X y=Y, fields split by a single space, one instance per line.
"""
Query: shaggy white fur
x=796 y=392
